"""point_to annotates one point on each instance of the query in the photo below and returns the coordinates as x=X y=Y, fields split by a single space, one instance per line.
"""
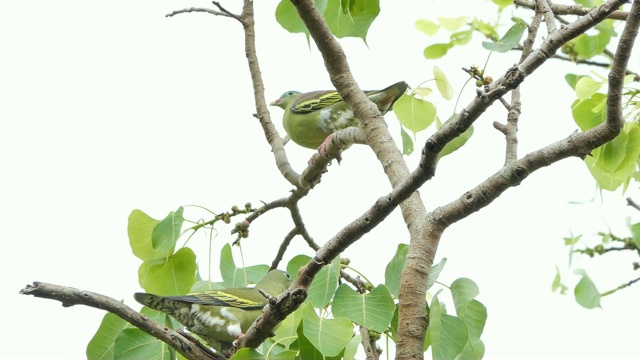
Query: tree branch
x=574 y=9
x=197 y=9
x=542 y=6
x=263 y=115
x=633 y=204
x=69 y=297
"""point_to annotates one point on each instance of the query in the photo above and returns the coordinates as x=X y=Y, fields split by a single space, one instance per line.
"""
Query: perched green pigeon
x=311 y=118
x=219 y=317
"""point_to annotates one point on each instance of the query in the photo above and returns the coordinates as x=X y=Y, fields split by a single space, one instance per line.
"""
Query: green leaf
x=329 y=336
x=205 y=285
x=586 y=293
x=423 y=91
x=453 y=338
x=435 y=271
x=287 y=16
x=502 y=3
x=353 y=22
x=324 y=284
x=306 y=348
x=249 y=354
x=614 y=163
x=485 y=29
x=585 y=3
x=395 y=266
x=588 y=46
x=394 y=269
x=373 y=310
x=456 y=143
x=352 y=348
x=174 y=275
x=166 y=233
x=414 y=114
x=407 y=142
x=586 y=87
x=287 y=331
x=510 y=40
x=461 y=37
x=139 y=230
x=589 y=113
x=557 y=283
x=136 y=344
x=101 y=345
x=635 y=232
x=572 y=79
x=473 y=350
x=570 y=241
x=234 y=277
x=475 y=317
x=427 y=27
x=295 y=264
x=443 y=84
x=436 y=51
x=463 y=290
x=628 y=79
x=453 y=24
x=448 y=334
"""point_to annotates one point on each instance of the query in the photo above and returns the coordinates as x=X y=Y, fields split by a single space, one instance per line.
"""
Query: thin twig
x=633 y=204
x=302 y=229
x=620 y=287
x=574 y=9
x=228 y=13
x=283 y=248
x=196 y=9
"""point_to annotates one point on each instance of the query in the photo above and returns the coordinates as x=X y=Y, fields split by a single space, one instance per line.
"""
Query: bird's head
x=286 y=99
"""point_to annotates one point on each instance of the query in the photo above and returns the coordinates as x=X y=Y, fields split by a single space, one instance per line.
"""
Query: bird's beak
x=275 y=103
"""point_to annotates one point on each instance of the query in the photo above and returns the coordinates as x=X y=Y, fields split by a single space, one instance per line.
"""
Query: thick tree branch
x=69 y=297
x=378 y=137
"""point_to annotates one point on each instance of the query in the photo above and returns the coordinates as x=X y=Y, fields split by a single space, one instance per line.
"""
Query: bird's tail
x=161 y=303
x=385 y=98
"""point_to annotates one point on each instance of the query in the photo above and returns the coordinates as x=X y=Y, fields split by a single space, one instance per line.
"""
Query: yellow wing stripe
x=317 y=103
x=215 y=296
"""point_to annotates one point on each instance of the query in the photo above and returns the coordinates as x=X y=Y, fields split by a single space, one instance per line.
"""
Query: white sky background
x=106 y=107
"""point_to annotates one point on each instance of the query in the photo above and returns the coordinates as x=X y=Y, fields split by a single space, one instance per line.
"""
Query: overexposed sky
x=106 y=107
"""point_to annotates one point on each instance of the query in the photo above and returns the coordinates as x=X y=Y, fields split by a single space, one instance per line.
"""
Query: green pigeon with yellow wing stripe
x=219 y=317
x=311 y=118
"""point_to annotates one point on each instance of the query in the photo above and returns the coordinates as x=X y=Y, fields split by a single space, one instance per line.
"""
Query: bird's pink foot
x=322 y=149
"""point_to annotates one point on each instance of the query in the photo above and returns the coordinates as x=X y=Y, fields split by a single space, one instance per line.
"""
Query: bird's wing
x=247 y=299
x=314 y=101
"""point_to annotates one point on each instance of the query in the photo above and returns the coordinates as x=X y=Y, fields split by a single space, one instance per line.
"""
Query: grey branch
x=575 y=9
x=69 y=296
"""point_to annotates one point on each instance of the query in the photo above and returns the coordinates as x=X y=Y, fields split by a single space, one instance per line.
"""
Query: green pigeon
x=219 y=317
x=311 y=118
